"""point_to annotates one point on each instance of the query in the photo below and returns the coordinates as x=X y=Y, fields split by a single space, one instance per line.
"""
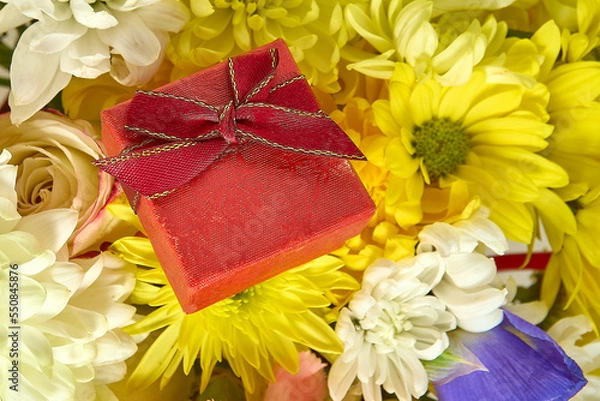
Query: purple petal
x=523 y=363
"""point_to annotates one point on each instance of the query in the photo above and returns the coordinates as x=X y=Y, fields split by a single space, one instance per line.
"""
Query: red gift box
x=235 y=174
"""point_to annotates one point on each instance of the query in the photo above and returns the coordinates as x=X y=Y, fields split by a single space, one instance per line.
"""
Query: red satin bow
x=179 y=137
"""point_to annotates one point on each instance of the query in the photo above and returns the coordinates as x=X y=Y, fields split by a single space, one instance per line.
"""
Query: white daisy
x=84 y=39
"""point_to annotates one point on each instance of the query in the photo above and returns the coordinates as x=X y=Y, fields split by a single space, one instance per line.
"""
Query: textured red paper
x=252 y=214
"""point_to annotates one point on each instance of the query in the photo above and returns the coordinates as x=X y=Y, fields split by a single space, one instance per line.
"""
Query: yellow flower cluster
x=313 y=29
x=455 y=106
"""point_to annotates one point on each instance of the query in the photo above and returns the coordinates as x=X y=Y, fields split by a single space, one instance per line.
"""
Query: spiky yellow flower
x=483 y=134
x=253 y=330
x=313 y=29
x=571 y=215
x=577 y=263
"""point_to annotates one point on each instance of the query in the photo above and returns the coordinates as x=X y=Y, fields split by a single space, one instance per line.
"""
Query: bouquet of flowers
x=479 y=126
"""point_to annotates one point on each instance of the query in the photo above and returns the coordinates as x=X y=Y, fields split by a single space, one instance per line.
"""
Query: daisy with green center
x=253 y=330
x=483 y=134
x=404 y=206
x=313 y=30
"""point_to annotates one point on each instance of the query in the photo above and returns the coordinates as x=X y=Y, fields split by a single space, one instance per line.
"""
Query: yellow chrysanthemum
x=482 y=134
x=571 y=215
x=577 y=264
x=579 y=22
x=404 y=206
x=86 y=98
x=253 y=330
x=445 y=47
x=313 y=30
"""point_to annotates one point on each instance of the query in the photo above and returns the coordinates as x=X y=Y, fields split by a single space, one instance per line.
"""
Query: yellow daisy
x=404 y=206
x=313 y=29
x=254 y=330
x=483 y=134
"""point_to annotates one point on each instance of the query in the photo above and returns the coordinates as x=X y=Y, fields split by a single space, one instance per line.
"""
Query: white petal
x=340 y=378
x=38 y=263
x=48 y=41
x=74 y=353
x=475 y=309
x=570 y=329
x=99 y=18
x=77 y=324
x=8 y=177
x=469 y=270
x=478 y=226
x=26 y=64
x=483 y=322
x=110 y=374
x=534 y=312
x=37 y=348
x=129 y=5
x=57 y=297
x=32 y=295
x=87 y=57
x=36 y=385
x=44 y=9
x=443 y=236
x=132 y=39
x=35 y=80
x=19 y=247
x=66 y=274
x=431 y=266
x=52 y=227
x=11 y=17
x=166 y=15
x=115 y=346
x=9 y=216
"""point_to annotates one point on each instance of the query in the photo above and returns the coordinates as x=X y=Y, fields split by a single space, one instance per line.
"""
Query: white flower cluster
x=60 y=318
x=403 y=311
x=84 y=39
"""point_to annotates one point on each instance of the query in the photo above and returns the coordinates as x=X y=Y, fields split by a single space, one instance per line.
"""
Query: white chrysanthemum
x=389 y=326
x=69 y=313
x=467 y=288
x=84 y=39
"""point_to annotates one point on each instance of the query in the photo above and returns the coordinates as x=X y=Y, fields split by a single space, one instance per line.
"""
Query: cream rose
x=54 y=154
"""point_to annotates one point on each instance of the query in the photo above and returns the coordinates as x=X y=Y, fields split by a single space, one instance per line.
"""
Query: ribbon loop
x=227 y=124
x=279 y=113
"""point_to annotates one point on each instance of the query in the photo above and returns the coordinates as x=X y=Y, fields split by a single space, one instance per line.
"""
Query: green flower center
x=247 y=295
x=443 y=145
